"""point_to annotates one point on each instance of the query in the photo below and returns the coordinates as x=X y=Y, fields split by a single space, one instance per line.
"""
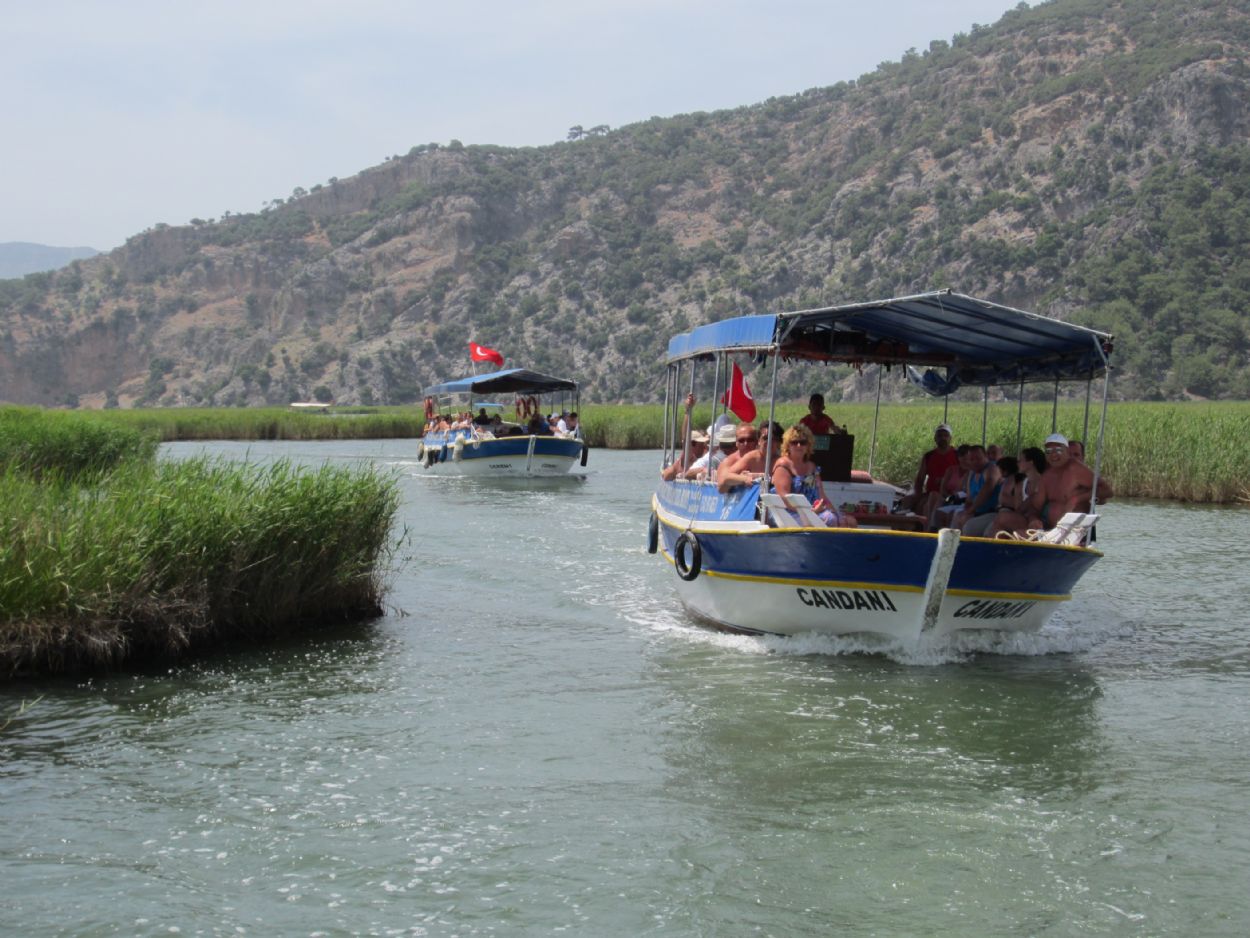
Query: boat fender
x=477 y=443
x=653 y=534
x=442 y=453
x=687 y=569
x=420 y=452
x=585 y=453
x=457 y=450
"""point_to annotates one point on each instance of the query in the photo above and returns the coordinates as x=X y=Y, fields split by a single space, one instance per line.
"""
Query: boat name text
x=872 y=600
x=993 y=609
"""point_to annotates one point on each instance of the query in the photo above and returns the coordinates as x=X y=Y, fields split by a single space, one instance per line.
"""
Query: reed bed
x=77 y=446
x=161 y=558
x=1194 y=451
x=270 y=423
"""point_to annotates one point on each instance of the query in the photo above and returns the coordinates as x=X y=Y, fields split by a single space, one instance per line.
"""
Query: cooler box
x=862 y=497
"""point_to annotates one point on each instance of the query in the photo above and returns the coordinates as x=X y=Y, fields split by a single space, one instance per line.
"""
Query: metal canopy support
x=1020 y=417
x=772 y=409
x=715 y=388
x=985 y=411
x=1102 y=427
x=876 y=417
x=1054 y=410
x=1089 y=384
x=689 y=419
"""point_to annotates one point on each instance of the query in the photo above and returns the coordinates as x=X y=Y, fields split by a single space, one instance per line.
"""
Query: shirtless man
x=747 y=465
x=1065 y=486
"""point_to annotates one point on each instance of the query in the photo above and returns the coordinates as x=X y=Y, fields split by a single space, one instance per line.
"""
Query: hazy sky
x=122 y=114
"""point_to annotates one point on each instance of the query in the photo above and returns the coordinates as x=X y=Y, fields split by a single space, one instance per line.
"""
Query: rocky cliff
x=1085 y=159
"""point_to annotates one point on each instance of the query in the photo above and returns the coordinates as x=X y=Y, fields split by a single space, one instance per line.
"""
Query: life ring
x=522 y=408
x=653 y=534
x=429 y=408
x=687 y=569
x=585 y=453
x=457 y=449
x=533 y=405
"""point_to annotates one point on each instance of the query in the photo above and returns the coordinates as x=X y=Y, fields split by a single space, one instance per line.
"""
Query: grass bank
x=108 y=556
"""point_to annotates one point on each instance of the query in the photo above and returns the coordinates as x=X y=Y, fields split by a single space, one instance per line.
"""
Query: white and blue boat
x=749 y=561
x=510 y=449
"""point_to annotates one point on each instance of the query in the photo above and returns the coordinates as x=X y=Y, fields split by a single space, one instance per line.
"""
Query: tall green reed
x=162 y=557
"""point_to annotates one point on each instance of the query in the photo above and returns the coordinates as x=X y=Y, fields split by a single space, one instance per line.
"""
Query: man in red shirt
x=817 y=420
x=927 y=487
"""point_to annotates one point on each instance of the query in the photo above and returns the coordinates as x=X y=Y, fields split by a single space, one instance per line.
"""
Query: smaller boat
x=520 y=447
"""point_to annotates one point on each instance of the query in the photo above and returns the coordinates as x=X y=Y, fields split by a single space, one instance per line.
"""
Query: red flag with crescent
x=480 y=353
x=738 y=398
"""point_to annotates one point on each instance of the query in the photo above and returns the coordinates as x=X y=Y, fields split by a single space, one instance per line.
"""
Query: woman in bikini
x=795 y=472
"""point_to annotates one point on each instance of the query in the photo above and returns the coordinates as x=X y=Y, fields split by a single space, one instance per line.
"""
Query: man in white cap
x=726 y=444
x=926 y=492
x=1065 y=485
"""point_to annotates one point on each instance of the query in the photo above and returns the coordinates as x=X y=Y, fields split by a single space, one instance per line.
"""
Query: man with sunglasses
x=747 y=465
x=1065 y=485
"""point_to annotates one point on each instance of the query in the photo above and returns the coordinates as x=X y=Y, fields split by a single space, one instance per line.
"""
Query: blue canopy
x=511 y=381
x=968 y=341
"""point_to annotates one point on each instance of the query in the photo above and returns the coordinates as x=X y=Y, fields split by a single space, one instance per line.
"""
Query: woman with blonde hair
x=795 y=472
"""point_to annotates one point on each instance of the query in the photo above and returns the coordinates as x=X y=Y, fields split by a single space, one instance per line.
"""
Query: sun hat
x=1057 y=438
x=698 y=436
x=727 y=434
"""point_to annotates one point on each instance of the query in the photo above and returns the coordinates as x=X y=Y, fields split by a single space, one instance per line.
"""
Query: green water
x=537 y=741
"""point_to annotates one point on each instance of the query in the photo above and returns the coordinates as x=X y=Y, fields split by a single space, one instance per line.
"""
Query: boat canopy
x=511 y=381
x=970 y=341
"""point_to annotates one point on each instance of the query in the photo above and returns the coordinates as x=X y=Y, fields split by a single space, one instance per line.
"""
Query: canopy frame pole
x=1054 y=410
x=689 y=419
x=946 y=407
x=985 y=412
x=876 y=418
x=1020 y=416
x=1102 y=426
x=715 y=388
x=1089 y=384
x=668 y=403
x=772 y=410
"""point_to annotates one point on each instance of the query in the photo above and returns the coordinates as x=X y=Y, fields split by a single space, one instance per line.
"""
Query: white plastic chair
x=1072 y=529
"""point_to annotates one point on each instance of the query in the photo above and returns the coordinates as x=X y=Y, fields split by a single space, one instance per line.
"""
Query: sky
x=122 y=115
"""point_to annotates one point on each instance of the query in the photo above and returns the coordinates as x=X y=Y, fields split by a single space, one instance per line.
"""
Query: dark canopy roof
x=974 y=341
x=511 y=381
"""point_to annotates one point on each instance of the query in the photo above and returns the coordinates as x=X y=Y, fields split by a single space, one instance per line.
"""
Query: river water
x=535 y=740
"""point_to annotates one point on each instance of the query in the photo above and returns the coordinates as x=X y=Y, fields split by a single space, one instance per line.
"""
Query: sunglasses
x=1055 y=449
x=745 y=440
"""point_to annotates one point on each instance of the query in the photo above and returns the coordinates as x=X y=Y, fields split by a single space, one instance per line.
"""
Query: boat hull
x=513 y=456
x=837 y=581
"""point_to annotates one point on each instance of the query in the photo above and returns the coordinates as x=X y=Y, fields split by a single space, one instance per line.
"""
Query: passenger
x=1010 y=498
x=993 y=452
x=538 y=426
x=746 y=467
x=952 y=490
x=481 y=420
x=817 y=420
x=698 y=450
x=1066 y=486
x=725 y=446
x=1015 y=516
x=985 y=481
x=795 y=472
x=927 y=487
x=567 y=426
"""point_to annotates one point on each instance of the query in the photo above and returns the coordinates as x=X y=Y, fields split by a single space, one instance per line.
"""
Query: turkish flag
x=480 y=353
x=738 y=398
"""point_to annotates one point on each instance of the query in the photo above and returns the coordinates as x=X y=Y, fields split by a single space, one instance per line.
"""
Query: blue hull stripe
x=887 y=559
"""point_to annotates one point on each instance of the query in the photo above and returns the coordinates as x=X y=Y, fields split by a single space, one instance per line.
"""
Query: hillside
x=19 y=258
x=1089 y=160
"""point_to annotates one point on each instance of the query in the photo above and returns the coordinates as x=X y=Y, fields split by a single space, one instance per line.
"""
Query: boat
x=509 y=448
x=750 y=561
